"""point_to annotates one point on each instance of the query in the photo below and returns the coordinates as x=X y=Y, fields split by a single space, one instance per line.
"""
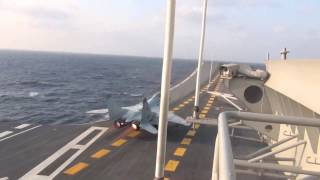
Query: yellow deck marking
x=212 y=98
x=171 y=165
x=133 y=134
x=166 y=178
x=196 y=126
x=206 y=108
x=119 y=142
x=186 y=141
x=202 y=116
x=181 y=105
x=186 y=102
x=76 y=168
x=210 y=101
x=100 y=154
x=180 y=152
x=204 y=111
x=191 y=133
x=176 y=109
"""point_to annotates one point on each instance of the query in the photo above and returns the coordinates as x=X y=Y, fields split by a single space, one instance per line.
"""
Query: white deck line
x=5 y=133
x=19 y=133
x=33 y=174
x=22 y=126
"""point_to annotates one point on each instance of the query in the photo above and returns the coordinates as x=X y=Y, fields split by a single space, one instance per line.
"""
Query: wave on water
x=38 y=84
x=136 y=95
x=33 y=94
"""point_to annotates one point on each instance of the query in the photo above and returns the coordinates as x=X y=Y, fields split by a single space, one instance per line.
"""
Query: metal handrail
x=223 y=167
x=165 y=86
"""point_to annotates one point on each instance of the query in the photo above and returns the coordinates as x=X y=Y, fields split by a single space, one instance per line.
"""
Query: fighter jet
x=144 y=115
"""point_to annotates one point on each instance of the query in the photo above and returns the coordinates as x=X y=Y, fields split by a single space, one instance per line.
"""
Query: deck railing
x=223 y=162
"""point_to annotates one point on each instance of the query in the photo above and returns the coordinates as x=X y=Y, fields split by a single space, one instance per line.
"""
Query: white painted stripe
x=22 y=126
x=5 y=133
x=33 y=174
x=4 y=178
x=19 y=133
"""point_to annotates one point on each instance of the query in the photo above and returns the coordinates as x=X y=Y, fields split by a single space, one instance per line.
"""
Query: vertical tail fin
x=146 y=114
x=115 y=111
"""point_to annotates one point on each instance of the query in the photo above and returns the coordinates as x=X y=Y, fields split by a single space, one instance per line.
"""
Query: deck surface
x=99 y=151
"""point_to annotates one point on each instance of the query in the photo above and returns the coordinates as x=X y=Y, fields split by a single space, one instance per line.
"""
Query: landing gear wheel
x=119 y=123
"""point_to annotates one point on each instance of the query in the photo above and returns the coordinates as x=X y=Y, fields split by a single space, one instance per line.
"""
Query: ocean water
x=58 y=88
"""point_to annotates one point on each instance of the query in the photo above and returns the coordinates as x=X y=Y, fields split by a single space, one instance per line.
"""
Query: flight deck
x=99 y=151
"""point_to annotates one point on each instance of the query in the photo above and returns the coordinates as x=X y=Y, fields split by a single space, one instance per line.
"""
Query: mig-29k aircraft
x=144 y=115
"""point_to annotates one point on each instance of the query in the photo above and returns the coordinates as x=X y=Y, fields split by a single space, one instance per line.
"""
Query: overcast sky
x=238 y=30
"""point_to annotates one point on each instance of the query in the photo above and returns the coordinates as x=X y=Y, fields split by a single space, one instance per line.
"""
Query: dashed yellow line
x=133 y=134
x=176 y=109
x=191 y=133
x=180 y=152
x=196 y=126
x=119 y=142
x=172 y=165
x=100 y=154
x=204 y=111
x=186 y=141
x=202 y=116
x=76 y=168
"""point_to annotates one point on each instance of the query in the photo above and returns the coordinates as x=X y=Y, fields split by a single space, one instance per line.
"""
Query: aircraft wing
x=148 y=127
x=177 y=119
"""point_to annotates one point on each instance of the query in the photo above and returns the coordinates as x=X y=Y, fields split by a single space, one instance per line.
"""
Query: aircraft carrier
x=246 y=124
x=101 y=151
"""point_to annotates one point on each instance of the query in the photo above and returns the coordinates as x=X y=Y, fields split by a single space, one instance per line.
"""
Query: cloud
x=279 y=29
x=246 y=3
x=50 y=9
x=47 y=13
x=247 y=28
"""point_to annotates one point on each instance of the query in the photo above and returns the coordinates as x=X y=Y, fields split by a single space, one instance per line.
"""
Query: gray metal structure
x=165 y=86
x=200 y=59
x=223 y=163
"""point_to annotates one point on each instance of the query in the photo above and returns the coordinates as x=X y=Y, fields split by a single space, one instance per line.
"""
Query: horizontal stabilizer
x=177 y=119
x=148 y=127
